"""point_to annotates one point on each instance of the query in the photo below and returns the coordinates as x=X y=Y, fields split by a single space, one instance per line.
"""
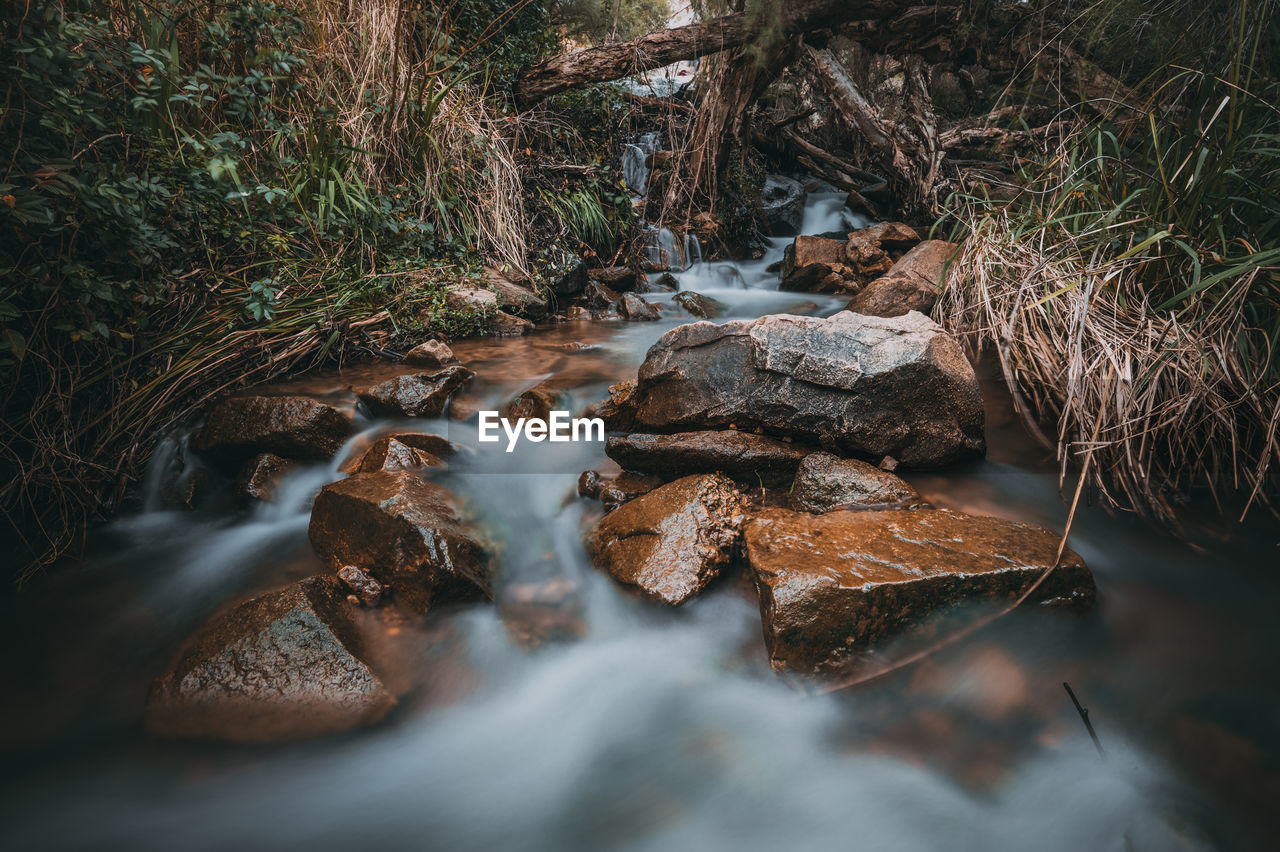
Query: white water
x=658 y=729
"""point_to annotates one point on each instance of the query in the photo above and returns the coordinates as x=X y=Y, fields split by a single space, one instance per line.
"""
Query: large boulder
x=747 y=458
x=782 y=200
x=832 y=586
x=403 y=531
x=825 y=482
x=296 y=427
x=866 y=385
x=284 y=665
x=671 y=542
x=913 y=284
x=423 y=394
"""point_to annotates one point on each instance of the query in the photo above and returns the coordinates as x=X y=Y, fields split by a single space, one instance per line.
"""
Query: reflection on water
x=658 y=729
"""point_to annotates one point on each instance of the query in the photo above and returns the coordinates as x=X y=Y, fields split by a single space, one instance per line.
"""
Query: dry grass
x=1173 y=404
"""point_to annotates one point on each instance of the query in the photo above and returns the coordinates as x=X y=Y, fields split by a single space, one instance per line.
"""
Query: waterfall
x=635 y=171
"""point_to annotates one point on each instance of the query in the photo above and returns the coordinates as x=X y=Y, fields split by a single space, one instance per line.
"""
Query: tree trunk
x=613 y=61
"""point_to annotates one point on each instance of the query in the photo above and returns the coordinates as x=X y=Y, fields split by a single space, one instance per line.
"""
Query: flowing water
x=657 y=729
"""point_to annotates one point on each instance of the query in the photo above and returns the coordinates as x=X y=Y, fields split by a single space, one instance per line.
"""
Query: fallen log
x=655 y=50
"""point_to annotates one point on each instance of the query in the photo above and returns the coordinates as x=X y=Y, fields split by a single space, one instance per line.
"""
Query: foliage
x=1134 y=292
x=601 y=21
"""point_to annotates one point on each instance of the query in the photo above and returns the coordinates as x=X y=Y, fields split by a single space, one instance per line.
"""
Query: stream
x=659 y=729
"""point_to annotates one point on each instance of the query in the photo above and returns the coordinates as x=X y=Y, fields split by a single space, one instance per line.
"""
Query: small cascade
x=692 y=250
x=635 y=169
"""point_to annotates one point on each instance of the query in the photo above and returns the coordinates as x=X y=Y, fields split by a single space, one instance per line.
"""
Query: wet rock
x=667 y=282
x=619 y=410
x=634 y=309
x=747 y=458
x=403 y=531
x=615 y=489
x=297 y=427
x=569 y=278
x=599 y=296
x=783 y=201
x=496 y=293
x=913 y=284
x=831 y=586
x=503 y=324
x=671 y=542
x=414 y=394
x=870 y=252
x=259 y=478
x=400 y=451
x=620 y=279
x=366 y=589
x=284 y=665
x=540 y=612
x=825 y=482
x=814 y=265
x=866 y=385
x=700 y=305
x=538 y=401
x=433 y=354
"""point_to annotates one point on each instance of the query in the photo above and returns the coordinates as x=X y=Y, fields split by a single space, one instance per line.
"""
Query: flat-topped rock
x=867 y=386
x=296 y=427
x=671 y=542
x=831 y=586
x=403 y=531
x=913 y=284
x=284 y=665
x=825 y=482
x=424 y=394
x=743 y=456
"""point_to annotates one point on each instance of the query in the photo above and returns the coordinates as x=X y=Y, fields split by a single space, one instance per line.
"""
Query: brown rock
x=535 y=613
x=403 y=531
x=366 y=589
x=617 y=278
x=831 y=586
x=284 y=665
x=671 y=542
x=599 y=296
x=913 y=284
x=259 y=478
x=414 y=394
x=399 y=451
x=503 y=324
x=747 y=458
x=814 y=265
x=634 y=309
x=433 y=353
x=825 y=482
x=538 y=401
x=619 y=410
x=495 y=293
x=615 y=489
x=292 y=426
x=700 y=305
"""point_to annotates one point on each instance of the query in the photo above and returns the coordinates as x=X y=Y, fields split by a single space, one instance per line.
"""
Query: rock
x=366 y=589
x=783 y=201
x=538 y=401
x=913 y=284
x=671 y=542
x=496 y=293
x=617 y=278
x=634 y=309
x=414 y=394
x=599 y=296
x=284 y=665
x=619 y=410
x=750 y=459
x=814 y=265
x=297 y=427
x=568 y=279
x=831 y=586
x=870 y=252
x=400 y=451
x=537 y=613
x=667 y=282
x=825 y=482
x=403 y=531
x=615 y=489
x=259 y=477
x=700 y=305
x=503 y=324
x=865 y=385
x=433 y=353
